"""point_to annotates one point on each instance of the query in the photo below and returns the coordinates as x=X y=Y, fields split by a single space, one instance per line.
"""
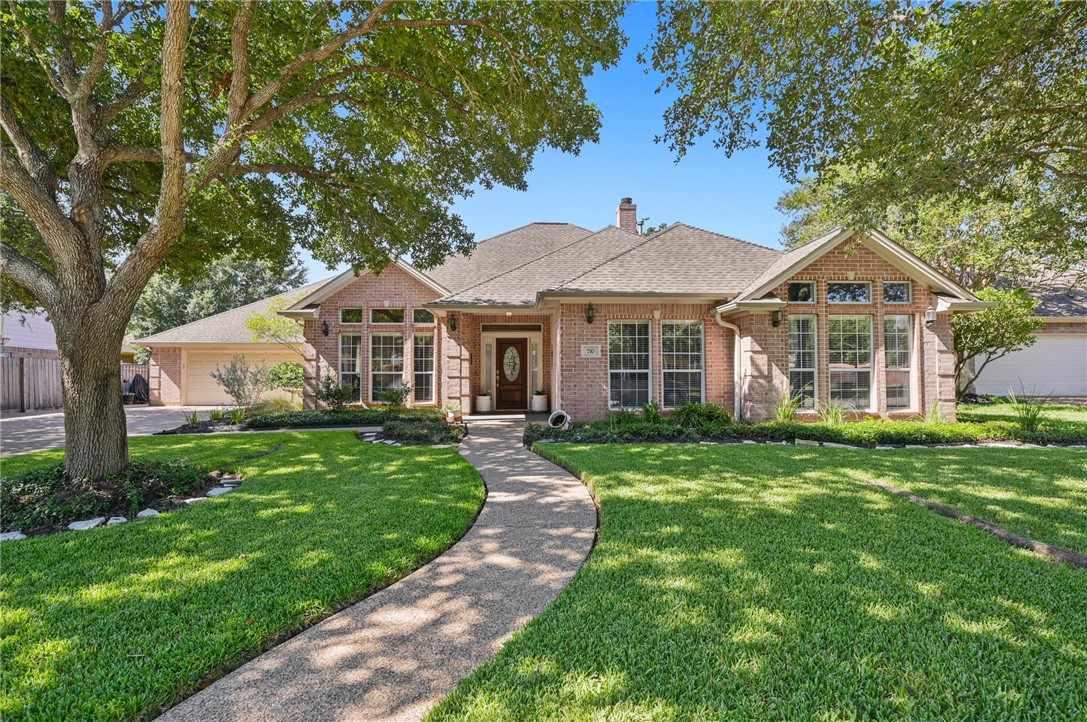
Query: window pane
x=896 y=341
x=423 y=363
x=801 y=291
x=628 y=360
x=421 y=315
x=802 y=359
x=849 y=340
x=350 y=315
x=386 y=315
x=386 y=362
x=896 y=292
x=849 y=292
x=681 y=361
x=350 y=361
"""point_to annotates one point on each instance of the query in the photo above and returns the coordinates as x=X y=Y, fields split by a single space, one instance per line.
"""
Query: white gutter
x=737 y=357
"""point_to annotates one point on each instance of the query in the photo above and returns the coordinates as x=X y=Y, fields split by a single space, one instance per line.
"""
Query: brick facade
x=393 y=288
x=766 y=349
x=164 y=371
x=583 y=382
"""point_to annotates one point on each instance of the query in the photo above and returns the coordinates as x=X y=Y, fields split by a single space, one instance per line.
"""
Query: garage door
x=202 y=390
x=1055 y=364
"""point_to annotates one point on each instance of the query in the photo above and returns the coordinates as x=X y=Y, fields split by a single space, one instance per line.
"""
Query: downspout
x=737 y=376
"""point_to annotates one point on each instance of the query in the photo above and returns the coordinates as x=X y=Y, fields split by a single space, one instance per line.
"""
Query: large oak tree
x=147 y=135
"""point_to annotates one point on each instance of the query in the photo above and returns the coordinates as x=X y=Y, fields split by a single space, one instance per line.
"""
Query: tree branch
x=24 y=272
x=39 y=165
x=39 y=52
x=55 y=228
x=238 y=95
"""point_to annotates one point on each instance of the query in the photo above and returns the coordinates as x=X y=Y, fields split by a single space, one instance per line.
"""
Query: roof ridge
x=526 y=225
x=237 y=308
x=647 y=239
x=589 y=233
x=731 y=238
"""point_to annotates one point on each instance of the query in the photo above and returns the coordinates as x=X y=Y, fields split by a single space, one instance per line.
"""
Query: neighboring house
x=183 y=358
x=1057 y=362
x=27 y=335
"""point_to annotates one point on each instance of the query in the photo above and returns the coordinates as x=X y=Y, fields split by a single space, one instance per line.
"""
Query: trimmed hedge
x=426 y=432
x=870 y=432
x=346 y=417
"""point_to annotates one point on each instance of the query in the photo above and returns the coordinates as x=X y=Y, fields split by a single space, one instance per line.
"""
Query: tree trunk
x=95 y=432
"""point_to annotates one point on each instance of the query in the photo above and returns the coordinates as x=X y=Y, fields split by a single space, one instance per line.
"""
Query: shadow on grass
x=742 y=582
x=117 y=622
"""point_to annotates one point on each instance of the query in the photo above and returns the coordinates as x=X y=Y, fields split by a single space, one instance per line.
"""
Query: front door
x=511 y=391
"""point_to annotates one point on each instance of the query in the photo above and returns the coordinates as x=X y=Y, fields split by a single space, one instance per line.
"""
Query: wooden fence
x=34 y=383
x=30 y=383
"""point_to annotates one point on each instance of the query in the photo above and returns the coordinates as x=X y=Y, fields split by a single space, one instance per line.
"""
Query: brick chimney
x=626 y=215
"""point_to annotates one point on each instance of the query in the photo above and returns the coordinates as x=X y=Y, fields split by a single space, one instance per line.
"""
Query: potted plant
x=483 y=402
x=539 y=400
x=452 y=413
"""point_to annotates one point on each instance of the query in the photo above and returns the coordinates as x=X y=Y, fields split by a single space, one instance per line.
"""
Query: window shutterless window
x=849 y=339
x=802 y=359
x=682 y=362
x=897 y=332
x=421 y=315
x=423 y=366
x=801 y=291
x=849 y=292
x=897 y=292
x=350 y=362
x=350 y=315
x=628 y=364
x=386 y=362
x=386 y=315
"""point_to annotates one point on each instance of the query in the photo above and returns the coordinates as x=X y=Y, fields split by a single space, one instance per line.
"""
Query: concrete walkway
x=394 y=655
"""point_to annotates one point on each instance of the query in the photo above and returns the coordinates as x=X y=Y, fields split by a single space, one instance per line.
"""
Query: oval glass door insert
x=511 y=363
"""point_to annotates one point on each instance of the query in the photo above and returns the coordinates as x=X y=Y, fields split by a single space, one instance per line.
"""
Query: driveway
x=36 y=431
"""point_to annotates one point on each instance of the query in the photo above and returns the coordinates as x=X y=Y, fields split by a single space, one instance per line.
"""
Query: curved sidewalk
x=395 y=654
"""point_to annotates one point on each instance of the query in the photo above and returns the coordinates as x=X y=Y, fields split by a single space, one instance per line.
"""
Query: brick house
x=613 y=319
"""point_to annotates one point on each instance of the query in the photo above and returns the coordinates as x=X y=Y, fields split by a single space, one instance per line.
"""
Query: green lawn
x=766 y=583
x=1058 y=415
x=116 y=623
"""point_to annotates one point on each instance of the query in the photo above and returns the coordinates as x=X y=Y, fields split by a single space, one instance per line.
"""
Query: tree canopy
x=934 y=99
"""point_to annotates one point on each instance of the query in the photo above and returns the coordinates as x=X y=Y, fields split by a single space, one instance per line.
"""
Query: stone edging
x=1046 y=551
x=830 y=444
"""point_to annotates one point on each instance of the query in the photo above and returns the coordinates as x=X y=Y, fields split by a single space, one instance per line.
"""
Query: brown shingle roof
x=681 y=259
x=225 y=327
x=504 y=252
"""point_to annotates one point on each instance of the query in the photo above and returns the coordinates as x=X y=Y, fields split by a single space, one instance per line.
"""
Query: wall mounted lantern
x=590 y=314
x=452 y=323
x=324 y=327
x=776 y=318
x=930 y=317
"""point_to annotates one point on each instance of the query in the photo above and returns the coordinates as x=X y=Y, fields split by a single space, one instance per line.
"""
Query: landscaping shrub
x=286 y=376
x=343 y=417
x=1029 y=411
x=869 y=432
x=335 y=396
x=241 y=382
x=276 y=405
x=46 y=497
x=423 y=431
x=786 y=407
x=700 y=416
x=393 y=395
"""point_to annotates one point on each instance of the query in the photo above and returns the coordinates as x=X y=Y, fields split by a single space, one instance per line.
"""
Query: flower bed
x=344 y=417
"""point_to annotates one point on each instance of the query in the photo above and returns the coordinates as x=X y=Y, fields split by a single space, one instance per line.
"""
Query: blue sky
x=734 y=195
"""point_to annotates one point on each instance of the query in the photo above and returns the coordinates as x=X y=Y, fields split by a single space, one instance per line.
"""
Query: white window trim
x=371 y=372
x=433 y=369
x=362 y=316
x=815 y=356
x=849 y=303
x=909 y=295
x=814 y=291
x=607 y=358
x=701 y=371
x=358 y=363
x=873 y=372
x=433 y=320
x=388 y=323
x=912 y=369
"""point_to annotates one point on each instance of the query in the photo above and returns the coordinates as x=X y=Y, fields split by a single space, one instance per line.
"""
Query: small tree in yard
x=144 y=137
x=988 y=335
x=286 y=376
x=243 y=383
x=270 y=327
